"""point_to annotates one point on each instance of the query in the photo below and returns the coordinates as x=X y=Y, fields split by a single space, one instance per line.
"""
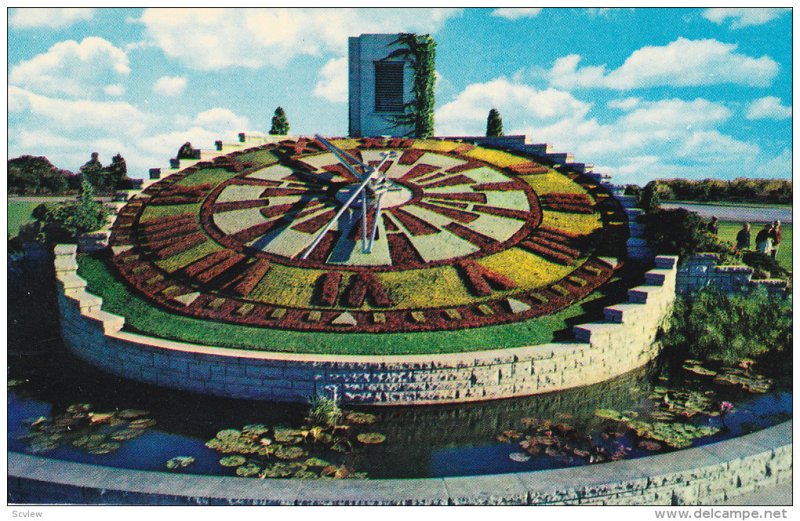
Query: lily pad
x=371 y=438
x=179 y=462
x=360 y=418
x=277 y=470
x=142 y=423
x=126 y=434
x=249 y=470
x=77 y=408
x=288 y=436
x=229 y=434
x=254 y=430
x=650 y=445
x=342 y=446
x=305 y=474
x=609 y=414
x=100 y=417
x=290 y=452
x=232 y=461
x=130 y=414
x=103 y=448
x=317 y=462
x=699 y=370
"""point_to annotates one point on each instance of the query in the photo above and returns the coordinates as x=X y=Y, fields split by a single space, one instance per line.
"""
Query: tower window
x=389 y=86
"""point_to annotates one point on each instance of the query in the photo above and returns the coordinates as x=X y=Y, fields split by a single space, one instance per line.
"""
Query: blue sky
x=639 y=93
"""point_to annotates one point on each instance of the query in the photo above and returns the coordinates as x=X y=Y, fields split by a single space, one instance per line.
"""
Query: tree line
x=36 y=175
x=741 y=189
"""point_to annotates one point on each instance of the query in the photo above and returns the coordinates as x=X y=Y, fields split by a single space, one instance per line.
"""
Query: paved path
x=737 y=213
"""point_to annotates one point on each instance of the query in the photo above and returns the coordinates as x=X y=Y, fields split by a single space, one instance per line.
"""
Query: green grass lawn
x=729 y=229
x=145 y=318
x=19 y=213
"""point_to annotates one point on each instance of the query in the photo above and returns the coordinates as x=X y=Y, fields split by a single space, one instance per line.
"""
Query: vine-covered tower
x=383 y=85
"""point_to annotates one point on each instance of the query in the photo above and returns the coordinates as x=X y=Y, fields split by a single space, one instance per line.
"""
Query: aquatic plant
x=179 y=462
x=324 y=410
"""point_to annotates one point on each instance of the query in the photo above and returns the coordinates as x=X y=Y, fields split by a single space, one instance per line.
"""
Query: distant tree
x=681 y=232
x=65 y=221
x=280 y=124
x=36 y=175
x=92 y=171
x=186 y=151
x=494 y=123
x=117 y=173
x=649 y=199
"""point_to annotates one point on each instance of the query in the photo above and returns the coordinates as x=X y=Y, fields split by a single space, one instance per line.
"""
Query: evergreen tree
x=494 y=123
x=92 y=171
x=64 y=221
x=280 y=125
x=117 y=173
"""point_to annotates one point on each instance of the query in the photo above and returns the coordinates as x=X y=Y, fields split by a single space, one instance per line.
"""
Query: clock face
x=463 y=237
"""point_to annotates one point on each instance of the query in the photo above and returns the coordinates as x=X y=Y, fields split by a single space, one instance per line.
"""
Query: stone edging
x=603 y=350
x=699 y=476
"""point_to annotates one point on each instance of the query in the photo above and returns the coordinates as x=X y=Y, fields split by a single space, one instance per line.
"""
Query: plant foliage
x=716 y=326
x=280 y=124
x=494 y=123
x=68 y=220
x=420 y=50
x=681 y=232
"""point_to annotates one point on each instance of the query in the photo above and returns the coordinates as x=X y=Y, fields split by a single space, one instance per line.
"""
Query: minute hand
x=344 y=158
x=338 y=214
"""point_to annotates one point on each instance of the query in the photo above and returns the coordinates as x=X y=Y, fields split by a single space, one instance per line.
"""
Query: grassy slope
x=19 y=213
x=728 y=231
x=143 y=317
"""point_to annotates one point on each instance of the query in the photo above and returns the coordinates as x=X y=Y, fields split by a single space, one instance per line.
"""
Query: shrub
x=681 y=232
x=65 y=221
x=764 y=265
x=728 y=328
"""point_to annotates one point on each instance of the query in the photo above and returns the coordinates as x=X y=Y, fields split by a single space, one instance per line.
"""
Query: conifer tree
x=280 y=125
x=494 y=123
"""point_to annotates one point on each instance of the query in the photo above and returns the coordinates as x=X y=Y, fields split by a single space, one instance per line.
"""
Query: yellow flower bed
x=156 y=212
x=554 y=182
x=434 y=287
x=496 y=157
x=287 y=287
x=582 y=224
x=187 y=257
x=526 y=269
x=435 y=145
x=345 y=144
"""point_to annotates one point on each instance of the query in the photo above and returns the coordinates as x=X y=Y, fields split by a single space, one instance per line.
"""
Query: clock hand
x=343 y=157
x=375 y=221
x=341 y=211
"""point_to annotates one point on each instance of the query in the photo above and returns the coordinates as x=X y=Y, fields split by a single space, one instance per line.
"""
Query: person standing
x=775 y=234
x=763 y=240
x=713 y=226
x=743 y=238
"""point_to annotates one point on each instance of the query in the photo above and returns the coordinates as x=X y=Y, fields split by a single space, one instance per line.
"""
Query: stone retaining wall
x=703 y=270
x=602 y=350
x=705 y=475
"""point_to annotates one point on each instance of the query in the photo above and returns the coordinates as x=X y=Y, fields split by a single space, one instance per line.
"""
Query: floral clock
x=368 y=235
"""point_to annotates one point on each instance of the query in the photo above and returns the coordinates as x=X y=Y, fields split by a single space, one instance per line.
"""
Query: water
x=445 y=440
x=737 y=213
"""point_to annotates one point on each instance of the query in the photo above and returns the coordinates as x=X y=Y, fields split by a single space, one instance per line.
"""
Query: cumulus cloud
x=208 y=39
x=221 y=120
x=638 y=141
x=682 y=63
x=52 y=17
x=332 y=81
x=73 y=69
x=768 y=107
x=515 y=13
x=170 y=85
x=743 y=16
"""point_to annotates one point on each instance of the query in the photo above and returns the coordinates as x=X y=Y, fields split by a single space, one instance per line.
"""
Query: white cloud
x=72 y=68
x=114 y=90
x=743 y=16
x=515 y=13
x=779 y=166
x=332 y=81
x=52 y=17
x=209 y=39
x=170 y=85
x=638 y=141
x=69 y=114
x=221 y=120
x=681 y=63
x=768 y=107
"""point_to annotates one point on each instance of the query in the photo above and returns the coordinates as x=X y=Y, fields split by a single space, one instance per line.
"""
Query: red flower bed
x=201 y=265
x=315 y=224
x=471 y=164
x=258 y=230
x=325 y=247
x=278 y=209
x=401 y=250
x=418 y=171
x=472 y=197
x=412 y=223
x=164 y=223
x=481 y=280
x=556 y=233
x=399 y=143
x=547 y=253
x=496 y=187
x=502 y=212
x=559 y=247
x=282 y=192
x=355 y=231
x=388 y=224
x=238 y=205
x=340 y=170
x=364 y=285
x=452 y=213
x=463 y=149
x=571 y=208
x=329 y=288
x=218 y=269
x=527 y=168
x=411 y=156
x=247 y=282
x=384 y=168
x=179 y=245
x=478 y=239
x=369 y=142
x=566 y=198
x=450 y=181
x=452 y=204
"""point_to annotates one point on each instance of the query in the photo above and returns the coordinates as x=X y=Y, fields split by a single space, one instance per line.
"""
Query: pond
x=60 y=407
x=743 y=213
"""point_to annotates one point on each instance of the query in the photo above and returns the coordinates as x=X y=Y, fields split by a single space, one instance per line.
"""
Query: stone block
x=643 y=294
x=505 y=489
x=65 y=249
x=111 y=323
x=625 y=313
x=658 y=277
x=666 y=261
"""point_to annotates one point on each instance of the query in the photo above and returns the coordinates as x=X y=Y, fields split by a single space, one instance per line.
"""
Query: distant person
x=763 y=240
x=713 y=226
x=743 y=238
x=775 y=235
